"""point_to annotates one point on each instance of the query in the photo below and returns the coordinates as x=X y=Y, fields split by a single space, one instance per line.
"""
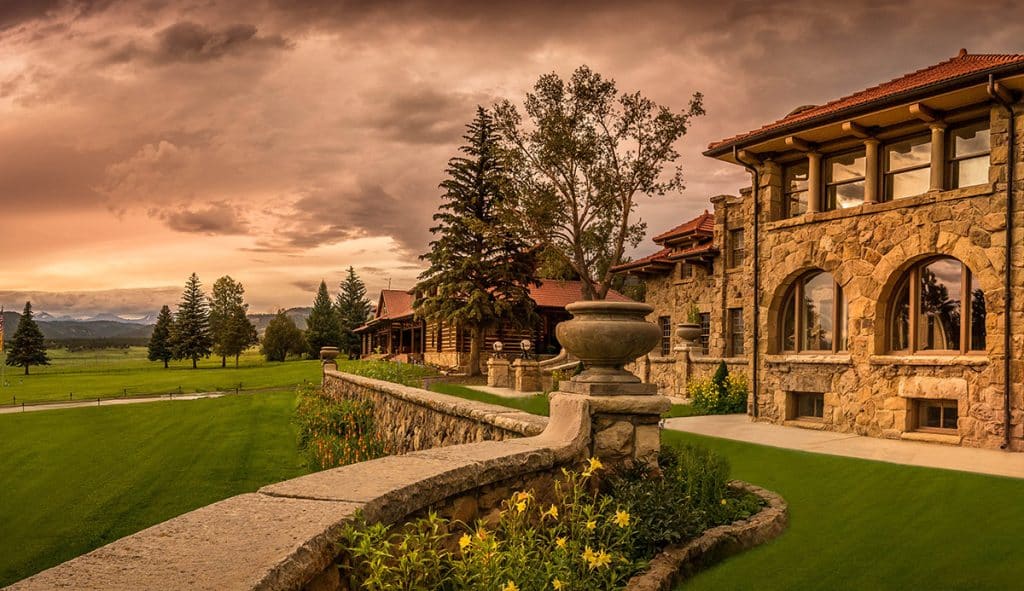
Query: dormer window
x=794 y=189
x=844 y=180
x=907 y=167
x=969 y=147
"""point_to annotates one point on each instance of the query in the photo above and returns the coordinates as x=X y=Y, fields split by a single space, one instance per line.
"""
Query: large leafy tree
x=322 y=327
x=481 y=268
x=191 y=335
x=353 y=308
x=28 y=347
x=160 y=346
x=578 y=161
x=230 y=328
x=282 y=338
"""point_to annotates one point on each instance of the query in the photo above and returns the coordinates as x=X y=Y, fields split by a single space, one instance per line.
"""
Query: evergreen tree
x=322 y=327
x=28 y=347
x=191 y=333
x=160 y=346
x=230 y=328
x=353 y=308
x=282 y=338
x=481 y=268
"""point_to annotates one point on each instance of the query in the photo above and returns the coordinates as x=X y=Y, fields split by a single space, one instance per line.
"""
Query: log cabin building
x=396 y=333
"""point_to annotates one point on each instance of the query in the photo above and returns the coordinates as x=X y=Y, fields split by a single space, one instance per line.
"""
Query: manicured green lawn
x=114 y=372
x=537 y=405
x=76 y=479
x=857 y=524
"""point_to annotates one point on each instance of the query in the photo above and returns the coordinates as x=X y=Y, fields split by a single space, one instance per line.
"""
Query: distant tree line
x=330 y=323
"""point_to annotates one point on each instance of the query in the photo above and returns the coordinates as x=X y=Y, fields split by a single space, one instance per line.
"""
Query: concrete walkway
x=930 y=455
x=6 y=410
x=503 y=392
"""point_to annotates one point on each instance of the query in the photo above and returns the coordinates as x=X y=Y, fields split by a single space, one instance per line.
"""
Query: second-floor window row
x=906 y=170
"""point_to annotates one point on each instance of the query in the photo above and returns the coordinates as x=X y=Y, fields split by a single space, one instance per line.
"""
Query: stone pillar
x=498 y=373
x=527 y=375
x=871 y=167
x=938 y=167
x=813 y=182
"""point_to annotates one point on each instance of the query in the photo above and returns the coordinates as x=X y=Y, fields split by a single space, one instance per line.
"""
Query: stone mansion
x=866 y=283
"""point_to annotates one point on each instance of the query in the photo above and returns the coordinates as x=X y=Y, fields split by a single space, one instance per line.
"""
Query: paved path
x=106 y=402
x=503 y=392
x=931 y=455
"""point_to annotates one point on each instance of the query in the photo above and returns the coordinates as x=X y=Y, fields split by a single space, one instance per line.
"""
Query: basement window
x=937 y=416
x=809 y=405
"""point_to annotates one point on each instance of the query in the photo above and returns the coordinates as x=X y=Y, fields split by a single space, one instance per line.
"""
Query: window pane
x=931 y=416
x=736 y=332
x=810 y=405
x=969 y=172
x=846 y=195
x=910 y=152
x=796 y=204
x=971 y=139
x=938 y=322
x=949 y=416
x=705 y=333
x=978 y=332
x=666 y=335
x=817 y=309
x=900 y=335
x=907 y=184
x=795 y=178
x=841 y=329
x=789 y=323
x=845 y=167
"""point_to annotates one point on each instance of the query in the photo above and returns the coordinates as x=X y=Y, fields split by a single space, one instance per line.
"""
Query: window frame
x=796 y=294
x=887 y=174
x=912 y=279
x=665 y=324
x=686 y=271
x=742 y=250
x=732 y=316
x=951 y=145
x=920 y=406
x=826 y=185
x=787 y=193
x=705 y=333
x=818 y=405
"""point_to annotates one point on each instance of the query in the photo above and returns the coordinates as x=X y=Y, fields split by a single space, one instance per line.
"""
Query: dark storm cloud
x=193 y=42
x=423 y=115
x=17 y=12
x=215 y=220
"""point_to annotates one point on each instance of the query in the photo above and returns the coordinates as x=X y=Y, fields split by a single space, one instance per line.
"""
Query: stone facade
x=867 y=249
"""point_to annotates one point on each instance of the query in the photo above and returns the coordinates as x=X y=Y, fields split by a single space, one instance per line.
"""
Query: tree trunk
x=476 y=336
x=26 y=370
x=236 y=360
x=194 y=364
x=223 y=360
x=165 y=364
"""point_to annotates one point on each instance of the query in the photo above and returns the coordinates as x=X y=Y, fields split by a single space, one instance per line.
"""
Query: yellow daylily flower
x=602 y=558
x=621 y=518
x=556 y=584
x=552 y=512
x=723 y=501
x=591 y=525
x=595 y=464
x=510 y=586
x=560 y=542
x=521 y=506
x=588 y=555
x=464 y=541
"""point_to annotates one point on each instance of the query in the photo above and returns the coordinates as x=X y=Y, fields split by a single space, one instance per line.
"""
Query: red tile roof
x=397 y=304
x=556 y=294
x=965 y=67
x=703 y=224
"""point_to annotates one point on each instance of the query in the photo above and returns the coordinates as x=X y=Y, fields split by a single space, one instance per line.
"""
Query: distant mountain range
x=112 y=326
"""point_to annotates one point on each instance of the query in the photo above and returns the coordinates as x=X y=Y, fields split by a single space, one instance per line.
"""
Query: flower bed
x=333 y=432
x=591 y=530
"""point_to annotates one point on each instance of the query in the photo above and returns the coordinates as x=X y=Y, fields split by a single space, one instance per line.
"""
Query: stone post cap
x=525 y=362
x=328 y=353
x=497 y=361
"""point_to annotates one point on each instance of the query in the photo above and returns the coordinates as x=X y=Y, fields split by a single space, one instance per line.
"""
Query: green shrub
x=723 y=393
x=335 y=432
x=407 y=374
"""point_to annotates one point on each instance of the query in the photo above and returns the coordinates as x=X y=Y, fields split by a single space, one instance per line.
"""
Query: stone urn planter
x=688 y=332
x=328 y=353
x=605 y=336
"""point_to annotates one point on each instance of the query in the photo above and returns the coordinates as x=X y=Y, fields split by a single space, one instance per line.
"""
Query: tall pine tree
x=160 y=346
x=192 y=338
x=322 y=328
x=480 y=268
x=229 y=326
x=353 y=308
x=28 y=347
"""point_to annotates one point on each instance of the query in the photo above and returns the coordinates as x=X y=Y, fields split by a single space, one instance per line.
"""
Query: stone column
x=498 y=373
x=328 y=355
x=871 y=167
x=527 y=375
x=938 y=157
x=624 y=413
x=813 y=181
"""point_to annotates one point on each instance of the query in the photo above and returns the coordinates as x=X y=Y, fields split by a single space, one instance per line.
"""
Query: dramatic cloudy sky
x=280 y=141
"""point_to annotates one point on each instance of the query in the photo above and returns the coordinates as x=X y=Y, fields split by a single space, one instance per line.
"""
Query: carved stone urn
x=688 y=332
x=328 y=353
x=605 y=336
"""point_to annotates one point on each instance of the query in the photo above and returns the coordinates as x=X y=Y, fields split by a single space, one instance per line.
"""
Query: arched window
x=928 y=313
x=814 y=315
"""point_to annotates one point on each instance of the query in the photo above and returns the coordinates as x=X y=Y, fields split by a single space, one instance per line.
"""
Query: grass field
x=537 y=405
x=76 y=479
x=858 y=524
x=110 y=373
